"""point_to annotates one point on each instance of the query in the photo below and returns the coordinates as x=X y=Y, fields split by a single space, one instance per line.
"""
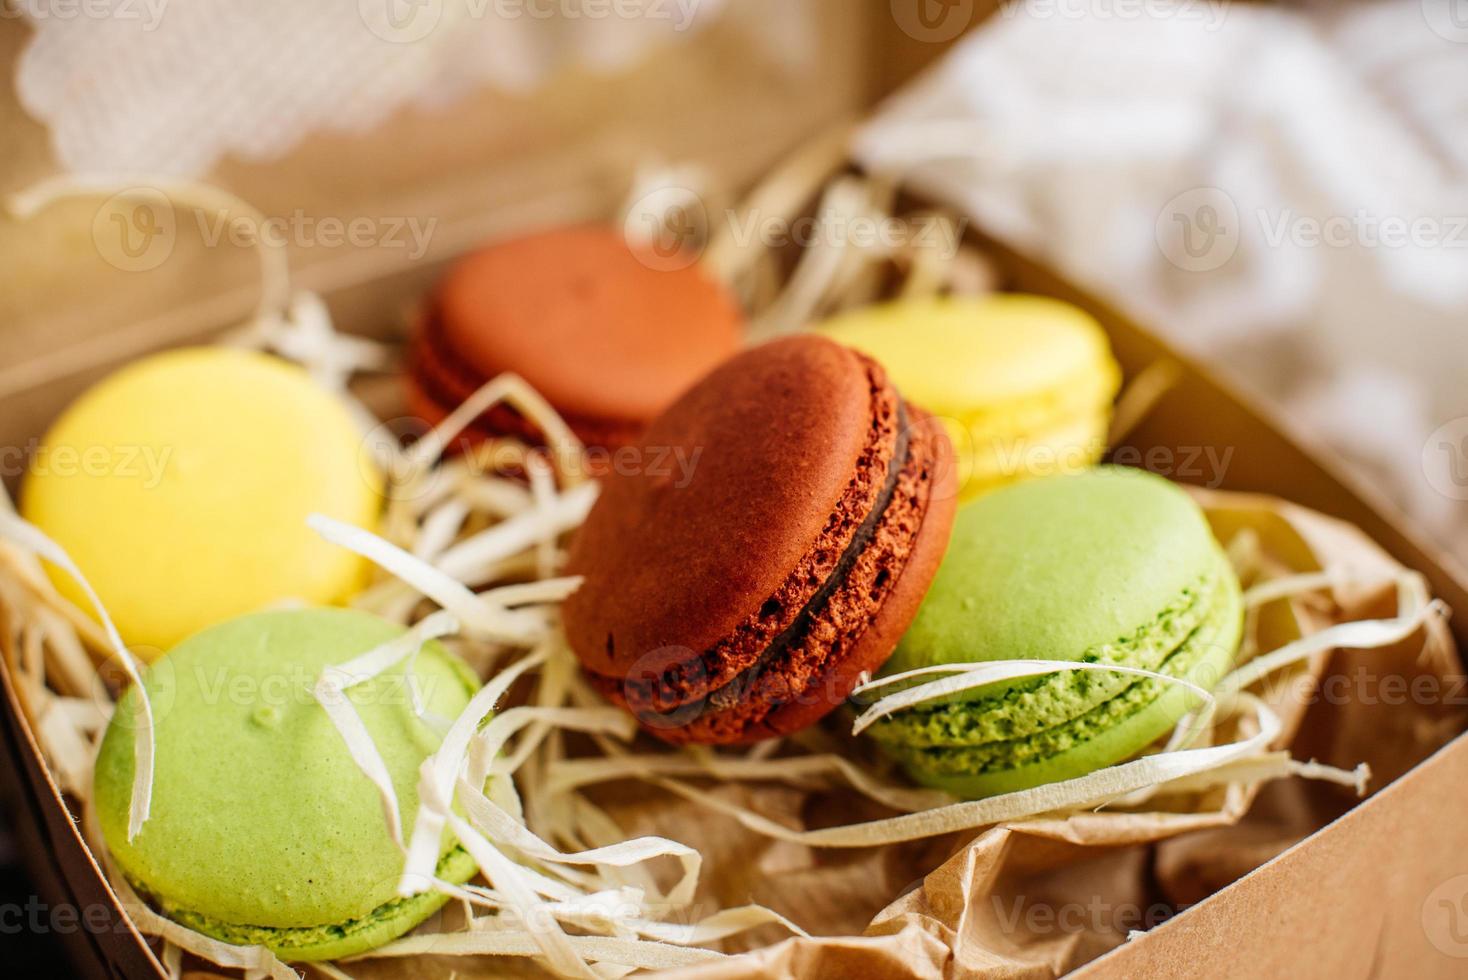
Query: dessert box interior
x=1351 y=894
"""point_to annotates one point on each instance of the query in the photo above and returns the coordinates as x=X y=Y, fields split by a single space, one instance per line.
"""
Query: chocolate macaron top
x=602 y=330
x=758 y=538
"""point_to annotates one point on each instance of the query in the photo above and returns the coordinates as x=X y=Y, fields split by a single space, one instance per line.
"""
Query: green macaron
x=1109 y=566
x=263 y=830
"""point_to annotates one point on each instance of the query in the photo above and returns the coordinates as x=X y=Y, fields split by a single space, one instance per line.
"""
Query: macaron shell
x=848 y=631
x=1024 y=384
x=601 y=330
x=432 y=408
x=1033 y=706
x=957 y=355
x=1054 y=567
x=1069 y=446
x=1113 y=565
x=782 y=566
x=181 y=487
x=352 y=938
x=260 y=818
x=679 y=555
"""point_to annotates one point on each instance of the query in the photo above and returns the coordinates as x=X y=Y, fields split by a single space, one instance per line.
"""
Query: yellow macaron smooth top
x=1024 y=384
x=181 y=484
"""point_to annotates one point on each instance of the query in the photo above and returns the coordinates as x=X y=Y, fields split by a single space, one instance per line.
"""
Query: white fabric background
x=1095 y=135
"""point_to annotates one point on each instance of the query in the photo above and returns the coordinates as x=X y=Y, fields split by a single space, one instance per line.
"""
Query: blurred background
x=1276 y=188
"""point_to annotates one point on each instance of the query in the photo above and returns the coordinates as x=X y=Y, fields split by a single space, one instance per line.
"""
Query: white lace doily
x=170 y=87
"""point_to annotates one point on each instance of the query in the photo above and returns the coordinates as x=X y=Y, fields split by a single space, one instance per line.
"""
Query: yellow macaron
x=181 y=485
x=1024 y=384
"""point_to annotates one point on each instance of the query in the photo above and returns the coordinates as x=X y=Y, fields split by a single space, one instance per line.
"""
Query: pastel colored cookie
x=181 y=486
x=1024 y=384
x=1112 y=566
x=610 y=335
x=263 y=830
x=739 y=594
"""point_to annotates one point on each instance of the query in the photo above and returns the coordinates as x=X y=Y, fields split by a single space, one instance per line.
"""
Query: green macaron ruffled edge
x=1111 y=731
x=1011 y=710
x=338 y=940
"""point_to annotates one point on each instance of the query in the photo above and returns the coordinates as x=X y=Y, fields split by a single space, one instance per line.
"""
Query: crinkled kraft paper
x=1039 y=898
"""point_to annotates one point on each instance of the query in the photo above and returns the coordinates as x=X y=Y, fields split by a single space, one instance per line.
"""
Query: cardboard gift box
x=1373 y=891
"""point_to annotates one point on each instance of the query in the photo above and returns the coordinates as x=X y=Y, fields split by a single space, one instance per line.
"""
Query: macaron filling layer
x=791 y=651
x=1018 y=708
x=940 y=741
x=729 y=695
x=1058 y=431
x=330 y=940
x=800 y=667
x=441 y=377
x=1082 y=397
x=810 y=667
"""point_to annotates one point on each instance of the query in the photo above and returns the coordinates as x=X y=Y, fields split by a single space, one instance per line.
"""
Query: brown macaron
x=786 y=518
x=608 y=334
